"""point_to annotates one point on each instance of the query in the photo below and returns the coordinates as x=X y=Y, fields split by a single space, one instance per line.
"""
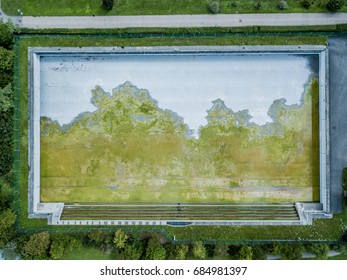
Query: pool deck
x=35 y=207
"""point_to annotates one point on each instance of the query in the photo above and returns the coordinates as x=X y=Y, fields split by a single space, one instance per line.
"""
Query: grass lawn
x=330 y=229
x=86 y=253
x=151 y=7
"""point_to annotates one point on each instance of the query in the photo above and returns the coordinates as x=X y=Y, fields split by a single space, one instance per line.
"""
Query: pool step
x=180 y=212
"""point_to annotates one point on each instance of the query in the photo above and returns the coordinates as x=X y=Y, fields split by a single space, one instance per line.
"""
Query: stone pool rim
x=53 y=211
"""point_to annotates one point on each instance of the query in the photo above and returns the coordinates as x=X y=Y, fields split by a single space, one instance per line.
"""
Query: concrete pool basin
x=206 y=99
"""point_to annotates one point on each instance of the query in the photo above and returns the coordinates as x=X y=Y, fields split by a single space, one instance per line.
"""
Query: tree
x=259 y=252
x=9 y=251
x=97 y=237
x=6 y=34
x=6 y=67
x=6 y=194
x=282 y=5
x=108 y=4
x=6 y=129
x=37 y=247
x=132 y=252
x=221 y=250
x=246 y=253
x=199 y=250
x=154 y=249
x=62 y=244
x=214 y=7
x=120 y=239
x=181 y=251
x=7 y=220
x=335 y=5
x=291 y=252
x=57 y=249
x=209 y=250
x=320 y=250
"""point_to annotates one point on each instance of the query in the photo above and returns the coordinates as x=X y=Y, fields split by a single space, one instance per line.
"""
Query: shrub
x=335 y=5
x=214 y=7
x=282 y=5
x=108 y=4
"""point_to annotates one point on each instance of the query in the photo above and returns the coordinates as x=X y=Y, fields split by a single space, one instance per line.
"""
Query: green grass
x=321 y=230
x=86 y=253
x=150 y=7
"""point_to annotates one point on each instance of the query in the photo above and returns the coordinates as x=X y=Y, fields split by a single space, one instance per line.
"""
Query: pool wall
x=52 y=211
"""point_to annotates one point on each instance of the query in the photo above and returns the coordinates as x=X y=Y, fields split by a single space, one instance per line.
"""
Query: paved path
x=338 y=118
x=306 y=255
x=208 y=20
x=221 y=20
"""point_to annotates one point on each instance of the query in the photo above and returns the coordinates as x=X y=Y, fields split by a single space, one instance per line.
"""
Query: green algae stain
x=131 y=150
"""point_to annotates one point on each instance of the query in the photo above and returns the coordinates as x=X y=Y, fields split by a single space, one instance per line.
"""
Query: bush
x=282 y=5
x=108 y=4
x=335 y=5
x=214 y=7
